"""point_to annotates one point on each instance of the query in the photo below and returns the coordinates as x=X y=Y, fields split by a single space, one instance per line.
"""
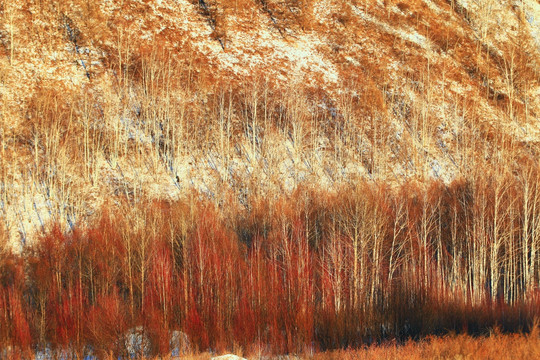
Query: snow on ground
x=228 y=357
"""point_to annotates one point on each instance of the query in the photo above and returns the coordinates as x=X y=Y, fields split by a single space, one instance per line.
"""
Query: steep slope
x=245 y=98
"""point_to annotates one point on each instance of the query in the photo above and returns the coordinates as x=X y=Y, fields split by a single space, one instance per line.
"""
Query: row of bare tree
x=315 y=270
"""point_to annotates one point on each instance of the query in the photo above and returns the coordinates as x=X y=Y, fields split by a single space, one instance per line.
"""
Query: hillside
x=103 y=99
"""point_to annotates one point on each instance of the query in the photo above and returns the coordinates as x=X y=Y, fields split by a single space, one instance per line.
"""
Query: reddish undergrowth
x=311 y=272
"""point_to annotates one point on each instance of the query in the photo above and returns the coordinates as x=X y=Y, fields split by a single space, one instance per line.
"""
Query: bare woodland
x=267 y=177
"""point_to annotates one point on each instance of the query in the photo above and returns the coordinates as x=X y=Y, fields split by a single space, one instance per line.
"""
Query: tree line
x=311 y=271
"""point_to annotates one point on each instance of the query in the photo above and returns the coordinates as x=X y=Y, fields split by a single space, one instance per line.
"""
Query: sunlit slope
x=233 y=99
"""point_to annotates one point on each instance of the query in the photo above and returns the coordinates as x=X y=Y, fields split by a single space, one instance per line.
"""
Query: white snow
x=228 y=357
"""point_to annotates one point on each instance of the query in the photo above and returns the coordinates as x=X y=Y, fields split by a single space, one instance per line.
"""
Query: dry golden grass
x=452 y=347
x=497 y=346
x=462 y=347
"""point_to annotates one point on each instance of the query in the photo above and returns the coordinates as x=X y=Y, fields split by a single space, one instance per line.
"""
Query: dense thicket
x=315 y=270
